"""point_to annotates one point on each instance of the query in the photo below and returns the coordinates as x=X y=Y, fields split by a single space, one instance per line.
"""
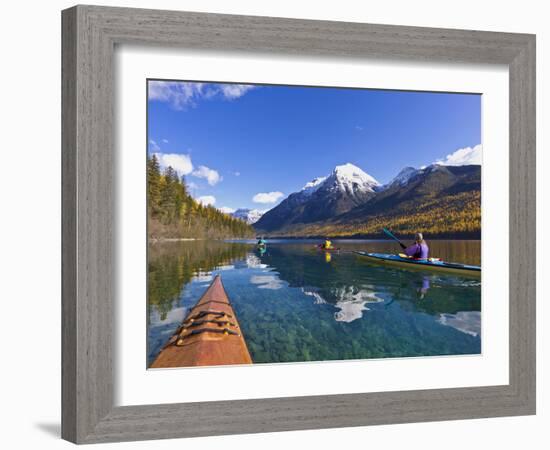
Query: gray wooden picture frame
x=90 y=34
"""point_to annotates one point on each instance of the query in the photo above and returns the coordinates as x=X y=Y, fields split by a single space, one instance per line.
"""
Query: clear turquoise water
x=295 y=303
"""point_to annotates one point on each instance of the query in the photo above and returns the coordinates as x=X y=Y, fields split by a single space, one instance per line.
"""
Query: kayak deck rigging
x=209 y=335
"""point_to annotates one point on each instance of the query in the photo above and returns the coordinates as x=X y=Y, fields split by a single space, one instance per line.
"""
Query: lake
x=296 y=303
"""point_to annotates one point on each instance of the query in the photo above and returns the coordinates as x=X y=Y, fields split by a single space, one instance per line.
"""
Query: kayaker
x=328 y=244
x=261 y=242
x=419 y=250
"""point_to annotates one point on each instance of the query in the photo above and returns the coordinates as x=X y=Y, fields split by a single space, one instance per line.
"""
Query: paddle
x=389 y=233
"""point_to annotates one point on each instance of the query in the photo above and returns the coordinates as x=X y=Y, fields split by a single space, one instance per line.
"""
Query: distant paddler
x=261 y=244
x=327 y=245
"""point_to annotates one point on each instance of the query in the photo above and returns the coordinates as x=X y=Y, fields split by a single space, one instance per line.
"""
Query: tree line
x=173 y=213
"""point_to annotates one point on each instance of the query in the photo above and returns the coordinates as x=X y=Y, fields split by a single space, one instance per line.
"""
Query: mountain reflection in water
x=295 y=304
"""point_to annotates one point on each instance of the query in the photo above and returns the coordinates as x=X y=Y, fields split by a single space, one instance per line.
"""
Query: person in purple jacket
x=419 y=250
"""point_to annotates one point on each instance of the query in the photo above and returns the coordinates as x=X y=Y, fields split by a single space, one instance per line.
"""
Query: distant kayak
x=428 y=264
x=331 y=249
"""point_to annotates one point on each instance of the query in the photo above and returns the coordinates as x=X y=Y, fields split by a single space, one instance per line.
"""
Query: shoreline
x=163 y=239
x=475 y=236
x=309 y=238
x=155 y=240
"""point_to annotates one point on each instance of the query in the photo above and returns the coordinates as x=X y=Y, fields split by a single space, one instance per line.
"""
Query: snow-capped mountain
x=403 y=177
x=351 y=179
x=312 y=186
x=410 y=173
x=407 y=192
x=347 y=178
x=250 y=216
x=346 y=187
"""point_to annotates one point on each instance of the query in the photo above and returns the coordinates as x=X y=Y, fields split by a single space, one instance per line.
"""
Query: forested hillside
x=455 y=215
x=173 y=213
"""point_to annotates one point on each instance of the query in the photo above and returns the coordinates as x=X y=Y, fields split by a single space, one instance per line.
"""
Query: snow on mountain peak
x=403 y=176
x=345 y=177
x=313 y=185
x=352 y=177
x=250 y=216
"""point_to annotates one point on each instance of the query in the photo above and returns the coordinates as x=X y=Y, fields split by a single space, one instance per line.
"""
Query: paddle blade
x=390 y=234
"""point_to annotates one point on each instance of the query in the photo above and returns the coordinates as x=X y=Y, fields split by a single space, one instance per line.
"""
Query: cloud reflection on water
x=267 y=281
x=468 y=322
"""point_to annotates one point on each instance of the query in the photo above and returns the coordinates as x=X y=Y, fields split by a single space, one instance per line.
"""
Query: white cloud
x=267 y=197
x=210 y=175
x=359 y=128
x=192 y=185
x=165 y=141
x=463 y=156
x=153 y=146
x=179 y=162
x=182 y=164
x=227 y=210
x=233 y=91
x=237 y=174
x=207 y=200
x=181 y=94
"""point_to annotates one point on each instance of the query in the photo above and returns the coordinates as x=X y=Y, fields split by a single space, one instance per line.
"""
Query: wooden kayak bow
x=210 y=334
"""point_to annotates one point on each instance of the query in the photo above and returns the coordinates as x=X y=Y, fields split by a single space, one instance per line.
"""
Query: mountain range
x=250 y=216
x=322 y=198
x=438 y=200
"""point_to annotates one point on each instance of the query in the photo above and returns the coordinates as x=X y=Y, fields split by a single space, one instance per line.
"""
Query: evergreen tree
x=172 y=212
x=153 y=185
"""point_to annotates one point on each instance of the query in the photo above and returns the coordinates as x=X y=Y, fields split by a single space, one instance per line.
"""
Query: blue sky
x=232 y=142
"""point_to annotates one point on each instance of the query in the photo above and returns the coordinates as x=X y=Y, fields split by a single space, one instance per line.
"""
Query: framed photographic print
x=305 y=261
x=277 y=224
